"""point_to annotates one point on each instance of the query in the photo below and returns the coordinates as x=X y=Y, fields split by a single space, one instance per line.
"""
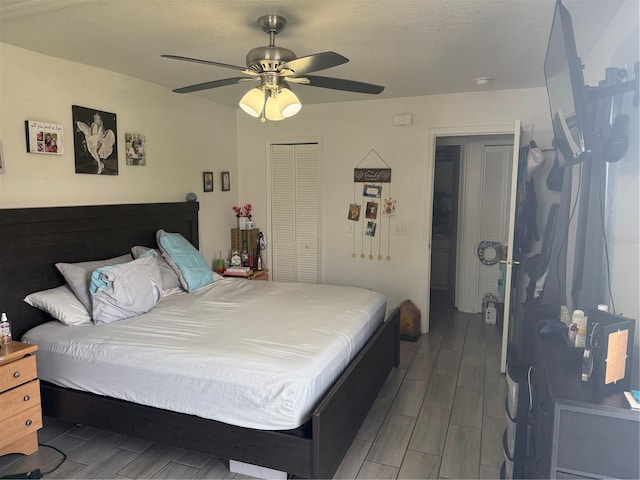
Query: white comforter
x=249 y=353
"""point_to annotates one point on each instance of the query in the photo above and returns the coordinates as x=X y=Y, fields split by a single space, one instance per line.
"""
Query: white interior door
x=510 y=238
x=494 y=211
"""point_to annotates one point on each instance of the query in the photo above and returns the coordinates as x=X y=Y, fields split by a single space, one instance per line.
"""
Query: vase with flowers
x=243 y=214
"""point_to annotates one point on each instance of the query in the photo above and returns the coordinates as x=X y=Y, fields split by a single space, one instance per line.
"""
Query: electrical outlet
x=400 y=229
x=350 y=226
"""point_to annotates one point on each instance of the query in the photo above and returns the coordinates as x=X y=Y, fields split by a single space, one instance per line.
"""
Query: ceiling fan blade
x=213 y=84
x=313 y=63
x=342 y=84
x=209 y=62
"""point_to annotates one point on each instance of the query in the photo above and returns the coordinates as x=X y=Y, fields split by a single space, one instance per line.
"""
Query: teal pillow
x=185 y=259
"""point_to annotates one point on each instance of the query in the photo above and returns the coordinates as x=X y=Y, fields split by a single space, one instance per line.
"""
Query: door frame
x=432 y=137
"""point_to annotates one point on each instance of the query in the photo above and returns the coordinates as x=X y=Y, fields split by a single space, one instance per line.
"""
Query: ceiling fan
x=273 y=67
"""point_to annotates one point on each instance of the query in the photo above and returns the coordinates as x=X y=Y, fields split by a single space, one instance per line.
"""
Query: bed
x=34 y=239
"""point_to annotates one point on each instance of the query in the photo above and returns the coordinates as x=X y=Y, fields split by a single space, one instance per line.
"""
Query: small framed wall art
x=225 y=181
x=43 y=137
x=135 y=147
x=207 y=181
x=354 y=212
x=372 y=210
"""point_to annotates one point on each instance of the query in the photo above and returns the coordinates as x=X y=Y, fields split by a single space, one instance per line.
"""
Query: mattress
x=248 y=353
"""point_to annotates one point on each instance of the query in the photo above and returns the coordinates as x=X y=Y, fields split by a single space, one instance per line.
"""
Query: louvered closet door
x=295 y=212
x=494 y=214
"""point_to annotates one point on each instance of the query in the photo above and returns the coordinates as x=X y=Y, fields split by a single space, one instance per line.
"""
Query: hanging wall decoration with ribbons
x=372 y=196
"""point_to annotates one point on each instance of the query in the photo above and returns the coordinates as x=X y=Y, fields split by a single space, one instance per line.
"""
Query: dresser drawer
x=19 y=399
x=21 y=424
x=532 y=468
x=18 y=372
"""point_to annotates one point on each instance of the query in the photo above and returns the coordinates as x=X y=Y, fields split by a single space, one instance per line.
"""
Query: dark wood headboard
x=33 y=240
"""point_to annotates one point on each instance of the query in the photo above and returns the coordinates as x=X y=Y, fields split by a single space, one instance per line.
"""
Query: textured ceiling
x=412 y=47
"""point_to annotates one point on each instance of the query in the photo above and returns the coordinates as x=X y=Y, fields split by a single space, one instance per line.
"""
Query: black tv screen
x=565 y=88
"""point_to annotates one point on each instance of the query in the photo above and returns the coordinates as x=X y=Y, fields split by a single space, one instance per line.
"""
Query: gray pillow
x=170 y=280
x=125 y=290
x=78 y=276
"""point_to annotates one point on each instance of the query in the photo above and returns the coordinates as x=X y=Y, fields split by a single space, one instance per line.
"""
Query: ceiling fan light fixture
x=252 y=102
x=288 y=103
x=271 y=108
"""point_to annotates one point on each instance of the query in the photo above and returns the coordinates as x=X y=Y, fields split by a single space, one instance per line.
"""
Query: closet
x=295 y=212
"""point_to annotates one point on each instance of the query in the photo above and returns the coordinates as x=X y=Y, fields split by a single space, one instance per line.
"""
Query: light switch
x=401 y=229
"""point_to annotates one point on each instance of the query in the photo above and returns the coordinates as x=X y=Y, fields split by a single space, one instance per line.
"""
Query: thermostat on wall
x=402 y=119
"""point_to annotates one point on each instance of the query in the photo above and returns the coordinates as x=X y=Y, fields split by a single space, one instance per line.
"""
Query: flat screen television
x=568 y=96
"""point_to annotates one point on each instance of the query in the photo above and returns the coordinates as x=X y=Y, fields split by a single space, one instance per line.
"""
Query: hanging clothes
x=526 y=227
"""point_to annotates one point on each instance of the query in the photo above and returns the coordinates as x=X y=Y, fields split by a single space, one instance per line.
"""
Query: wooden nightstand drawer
x=19 y=399
x=20 y=409
x=18 y=372
x=21 y=424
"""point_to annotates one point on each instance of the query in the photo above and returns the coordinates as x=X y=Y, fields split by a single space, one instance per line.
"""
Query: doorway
x=514 y=131
x=444 y=226
x=455 y=136
x=481 y=186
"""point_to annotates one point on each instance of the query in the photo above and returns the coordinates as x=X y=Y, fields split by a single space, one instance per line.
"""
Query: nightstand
x=20 y=412
x=259 y=275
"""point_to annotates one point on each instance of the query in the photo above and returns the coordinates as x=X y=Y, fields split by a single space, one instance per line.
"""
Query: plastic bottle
x=236 y=260
x=5 y=329
x=490 y=314
x=564 y=315
x=581 y=323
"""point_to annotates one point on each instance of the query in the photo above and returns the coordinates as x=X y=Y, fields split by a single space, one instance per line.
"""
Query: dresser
x=576 y=431
x=521 y=351
x=20 y=411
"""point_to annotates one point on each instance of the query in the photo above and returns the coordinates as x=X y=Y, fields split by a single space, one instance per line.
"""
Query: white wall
x=184 y=137
x=347 y=132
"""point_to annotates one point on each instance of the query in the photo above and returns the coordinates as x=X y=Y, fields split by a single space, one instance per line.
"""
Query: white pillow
x=61 y=304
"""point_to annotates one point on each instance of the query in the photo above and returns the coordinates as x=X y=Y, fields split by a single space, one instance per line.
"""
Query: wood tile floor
x=439 y=415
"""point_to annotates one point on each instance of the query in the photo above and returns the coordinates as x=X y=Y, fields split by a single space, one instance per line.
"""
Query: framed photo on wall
x=373 y=191
x=94 y=142
x=43 y=137
x=225 y=181
x=135 y=147
x=207 y=181
x=372 y=210
x=354 y=212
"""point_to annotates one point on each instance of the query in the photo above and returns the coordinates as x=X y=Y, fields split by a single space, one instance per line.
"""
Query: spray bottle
x=5 y=329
